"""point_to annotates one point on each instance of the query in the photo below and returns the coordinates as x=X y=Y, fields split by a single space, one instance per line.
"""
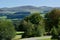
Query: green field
x=19 y=35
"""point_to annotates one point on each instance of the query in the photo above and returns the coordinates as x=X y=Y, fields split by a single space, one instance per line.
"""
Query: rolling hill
x=42 y=9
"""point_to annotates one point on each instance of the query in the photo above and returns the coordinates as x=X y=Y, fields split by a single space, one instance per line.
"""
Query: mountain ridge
x=41 y=9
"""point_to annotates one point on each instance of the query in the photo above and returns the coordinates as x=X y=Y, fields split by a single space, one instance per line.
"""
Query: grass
x=19 y=35
x=38 y=38
x=45 y=39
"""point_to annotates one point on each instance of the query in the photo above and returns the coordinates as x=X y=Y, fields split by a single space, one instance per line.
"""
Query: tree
x=33 y=25
x=52 y=22
x=7 y=31
x=51 y=19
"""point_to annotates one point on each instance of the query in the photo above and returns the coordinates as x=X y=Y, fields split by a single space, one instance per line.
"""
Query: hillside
x=41 y=9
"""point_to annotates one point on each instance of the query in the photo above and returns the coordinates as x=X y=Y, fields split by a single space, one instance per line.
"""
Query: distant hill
x=23 y=11
x=42 y=9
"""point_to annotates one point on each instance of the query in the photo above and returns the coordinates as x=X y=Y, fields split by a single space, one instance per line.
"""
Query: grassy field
x=19 y=35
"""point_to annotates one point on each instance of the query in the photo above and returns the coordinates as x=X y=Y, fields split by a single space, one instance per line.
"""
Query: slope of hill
x=41 y=9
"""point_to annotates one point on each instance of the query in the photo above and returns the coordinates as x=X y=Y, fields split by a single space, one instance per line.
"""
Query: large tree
x=33 y=25
x=52 y=23
x=51 y=19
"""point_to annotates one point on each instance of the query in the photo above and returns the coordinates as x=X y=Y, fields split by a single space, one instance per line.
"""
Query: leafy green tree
x=33 y=25
x=51 y=19
x=52 y=22
x=7 y=31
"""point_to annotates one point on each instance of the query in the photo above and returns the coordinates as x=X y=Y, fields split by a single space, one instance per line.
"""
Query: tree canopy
x=33 y=25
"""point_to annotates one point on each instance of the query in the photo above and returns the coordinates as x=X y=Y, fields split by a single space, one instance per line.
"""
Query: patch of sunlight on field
x=19 y=32
x=45 y=39
x=18 y=36
x=38 y=38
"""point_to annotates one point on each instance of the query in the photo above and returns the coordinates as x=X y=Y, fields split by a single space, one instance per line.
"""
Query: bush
x=7 y=31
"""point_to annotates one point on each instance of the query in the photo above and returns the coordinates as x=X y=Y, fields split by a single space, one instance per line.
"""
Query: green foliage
x=35 y=18
x=52 y=19
x=28 y=29
x=7 y=31
x=52 y=23
x=54 y=31
x=32 y=26
x=39 y=30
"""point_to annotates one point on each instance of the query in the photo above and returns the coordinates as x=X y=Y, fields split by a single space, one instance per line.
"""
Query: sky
x=15 y=3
